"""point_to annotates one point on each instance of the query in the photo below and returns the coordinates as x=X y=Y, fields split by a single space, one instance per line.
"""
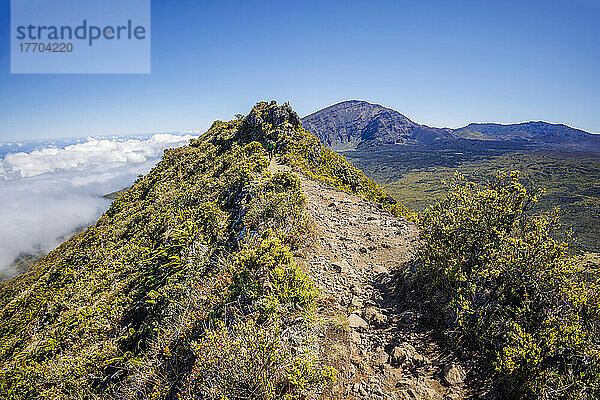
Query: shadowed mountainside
x=537 y=134
x=351 y=122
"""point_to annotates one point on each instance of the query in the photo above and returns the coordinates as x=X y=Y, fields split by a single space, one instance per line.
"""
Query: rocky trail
x=376 y=344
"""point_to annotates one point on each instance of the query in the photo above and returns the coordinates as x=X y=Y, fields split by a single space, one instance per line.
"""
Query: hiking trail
x=377 y=345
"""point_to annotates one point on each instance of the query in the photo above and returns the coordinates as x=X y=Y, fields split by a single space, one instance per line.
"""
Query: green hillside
x=188 y=276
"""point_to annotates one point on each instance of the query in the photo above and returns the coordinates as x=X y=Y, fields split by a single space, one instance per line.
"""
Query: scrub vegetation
x=507 y=293
x=570 y=180
x=187 y=277
x=188 y=288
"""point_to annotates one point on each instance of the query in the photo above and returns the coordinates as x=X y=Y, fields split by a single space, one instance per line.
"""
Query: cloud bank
x=49 y=193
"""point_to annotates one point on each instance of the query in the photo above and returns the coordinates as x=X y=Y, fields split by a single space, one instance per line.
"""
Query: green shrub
x=249 y=361
x=323 y=164
x=266 y=279
x=278 y=205
x=506 y=288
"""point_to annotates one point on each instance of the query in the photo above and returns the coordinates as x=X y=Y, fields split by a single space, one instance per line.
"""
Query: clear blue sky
x=442 y=63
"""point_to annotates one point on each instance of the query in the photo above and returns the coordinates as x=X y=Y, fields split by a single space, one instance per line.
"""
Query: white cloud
x=47 y=194
x=84 y=155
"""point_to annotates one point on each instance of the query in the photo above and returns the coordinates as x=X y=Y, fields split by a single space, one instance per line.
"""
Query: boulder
x=407 y=356
x=454 y=375
x=380 y=357
x=357 y=322
x=356 y=302
x=355 y=337
x=374 y=317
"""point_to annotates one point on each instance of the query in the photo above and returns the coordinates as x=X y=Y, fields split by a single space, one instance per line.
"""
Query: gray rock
x=356 y=322
x=341 y=266
x=406 y=355
x=356 y=302
x=374 y=317
x=454 y=374
x=378 y=269
x=380 y=357
x=355 y=337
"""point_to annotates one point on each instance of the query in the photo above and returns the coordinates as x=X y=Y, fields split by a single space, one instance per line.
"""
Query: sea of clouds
x=48 y=193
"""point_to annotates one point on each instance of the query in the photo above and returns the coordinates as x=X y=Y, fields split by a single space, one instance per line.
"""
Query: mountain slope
x=188 y=283
x=351 y=122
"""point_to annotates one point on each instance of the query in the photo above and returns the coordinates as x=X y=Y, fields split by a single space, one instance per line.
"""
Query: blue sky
x=440 y=63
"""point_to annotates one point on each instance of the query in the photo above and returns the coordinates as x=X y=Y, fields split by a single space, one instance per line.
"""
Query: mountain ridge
x=256 y=263
x=191 y=281
x=349 y=123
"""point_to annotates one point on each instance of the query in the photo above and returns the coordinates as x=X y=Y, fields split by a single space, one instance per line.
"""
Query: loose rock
x=357 y=322
x=341 y=266
x=357 y=302
x=374 y=317
x=454 y=374
x=407 y=355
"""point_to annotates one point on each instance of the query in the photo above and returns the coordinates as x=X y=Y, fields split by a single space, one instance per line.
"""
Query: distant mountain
x=351 y=122
x=536 y=133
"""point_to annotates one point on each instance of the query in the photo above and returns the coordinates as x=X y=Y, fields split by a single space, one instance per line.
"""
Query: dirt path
x=374 y=342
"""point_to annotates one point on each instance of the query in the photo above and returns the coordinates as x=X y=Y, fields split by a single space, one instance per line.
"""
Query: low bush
x=504 y=288
x=250 y=361
x=268 y=281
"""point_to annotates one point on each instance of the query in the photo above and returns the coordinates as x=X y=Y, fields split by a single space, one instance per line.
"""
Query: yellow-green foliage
x=267 y=280
x=277 y=206
x=197 y=251
x=571 y=182
x=327 y=166
x=250 y=361
x=501 y=281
